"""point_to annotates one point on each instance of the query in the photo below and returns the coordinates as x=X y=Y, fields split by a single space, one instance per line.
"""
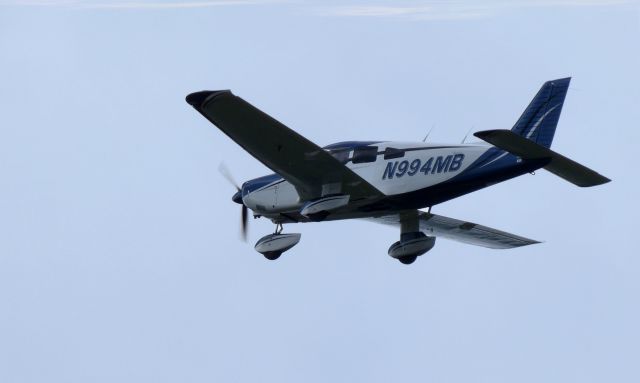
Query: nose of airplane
x=237 y=198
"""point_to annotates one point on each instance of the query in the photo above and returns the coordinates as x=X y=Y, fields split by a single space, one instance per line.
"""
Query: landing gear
x=273 y=245
x=407 y=260
x=272 y=255
x=411 y=246
x=413 y=242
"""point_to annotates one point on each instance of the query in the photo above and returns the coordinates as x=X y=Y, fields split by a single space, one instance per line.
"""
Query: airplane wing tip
x=600 y=180
x=197 y=99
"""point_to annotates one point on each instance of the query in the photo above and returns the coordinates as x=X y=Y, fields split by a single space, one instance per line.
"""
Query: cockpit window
x=341 y=155
x=390 y=153
x=365 y=154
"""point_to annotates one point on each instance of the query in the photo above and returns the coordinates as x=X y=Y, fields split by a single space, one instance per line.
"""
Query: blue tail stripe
x=538 y=122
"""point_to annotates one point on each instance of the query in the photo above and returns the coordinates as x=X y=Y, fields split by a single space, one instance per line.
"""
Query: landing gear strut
x=273 y=245
x=273 y=255
x=413 y=242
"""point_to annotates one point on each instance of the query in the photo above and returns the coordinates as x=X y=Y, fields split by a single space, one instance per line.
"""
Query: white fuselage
x=397 y=168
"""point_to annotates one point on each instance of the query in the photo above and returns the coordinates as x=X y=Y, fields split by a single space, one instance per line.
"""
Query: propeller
x=237 y=198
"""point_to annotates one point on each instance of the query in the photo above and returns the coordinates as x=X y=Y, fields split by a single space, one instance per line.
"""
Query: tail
x=531 y=136
x=538 y=122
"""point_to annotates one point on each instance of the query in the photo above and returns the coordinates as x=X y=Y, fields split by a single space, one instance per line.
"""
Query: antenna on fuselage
x=430 y=130
x=467 y=135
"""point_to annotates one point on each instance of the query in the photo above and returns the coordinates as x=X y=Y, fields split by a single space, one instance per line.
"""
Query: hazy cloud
x=454 y=9
x=421 y=10
x=125 y=4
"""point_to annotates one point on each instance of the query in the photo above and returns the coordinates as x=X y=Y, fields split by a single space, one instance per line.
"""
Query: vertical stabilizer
x=538 y=122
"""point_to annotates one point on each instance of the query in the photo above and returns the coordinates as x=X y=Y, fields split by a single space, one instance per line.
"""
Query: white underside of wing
x=461 y=231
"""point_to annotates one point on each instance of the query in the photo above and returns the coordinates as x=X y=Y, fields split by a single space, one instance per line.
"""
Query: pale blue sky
x=119 y=251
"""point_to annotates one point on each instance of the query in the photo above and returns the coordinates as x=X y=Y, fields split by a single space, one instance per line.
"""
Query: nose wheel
x=272 y=256
x=407 y=260
x=273 y=245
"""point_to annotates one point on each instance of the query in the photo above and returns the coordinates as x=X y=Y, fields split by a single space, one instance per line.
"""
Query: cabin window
x=390 y=153
x=341 y=155
x=365 y=154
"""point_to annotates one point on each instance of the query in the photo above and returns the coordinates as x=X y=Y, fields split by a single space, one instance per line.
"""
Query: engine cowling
x=411 y=245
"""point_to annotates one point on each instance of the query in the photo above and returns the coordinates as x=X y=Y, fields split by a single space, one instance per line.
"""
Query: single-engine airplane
x=384 y=181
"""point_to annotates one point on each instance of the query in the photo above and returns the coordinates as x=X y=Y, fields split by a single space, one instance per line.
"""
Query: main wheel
x=408 y=259
x=273 y=255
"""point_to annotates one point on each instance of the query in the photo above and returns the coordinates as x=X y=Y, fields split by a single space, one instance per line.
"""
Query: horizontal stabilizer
x=528 y=150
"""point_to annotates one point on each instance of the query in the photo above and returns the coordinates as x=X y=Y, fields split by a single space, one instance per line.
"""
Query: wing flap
x=295 y=158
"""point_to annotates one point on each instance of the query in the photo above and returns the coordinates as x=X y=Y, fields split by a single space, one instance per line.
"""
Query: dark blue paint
x=257 y=183
x=543 y=113
x=350 y=145
x=470 y=180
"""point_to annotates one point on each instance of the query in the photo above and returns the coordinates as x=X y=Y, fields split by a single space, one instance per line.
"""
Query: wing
x=461 y=231
x=306 y=165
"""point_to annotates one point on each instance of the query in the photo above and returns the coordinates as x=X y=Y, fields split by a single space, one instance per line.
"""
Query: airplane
x=384 y=181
